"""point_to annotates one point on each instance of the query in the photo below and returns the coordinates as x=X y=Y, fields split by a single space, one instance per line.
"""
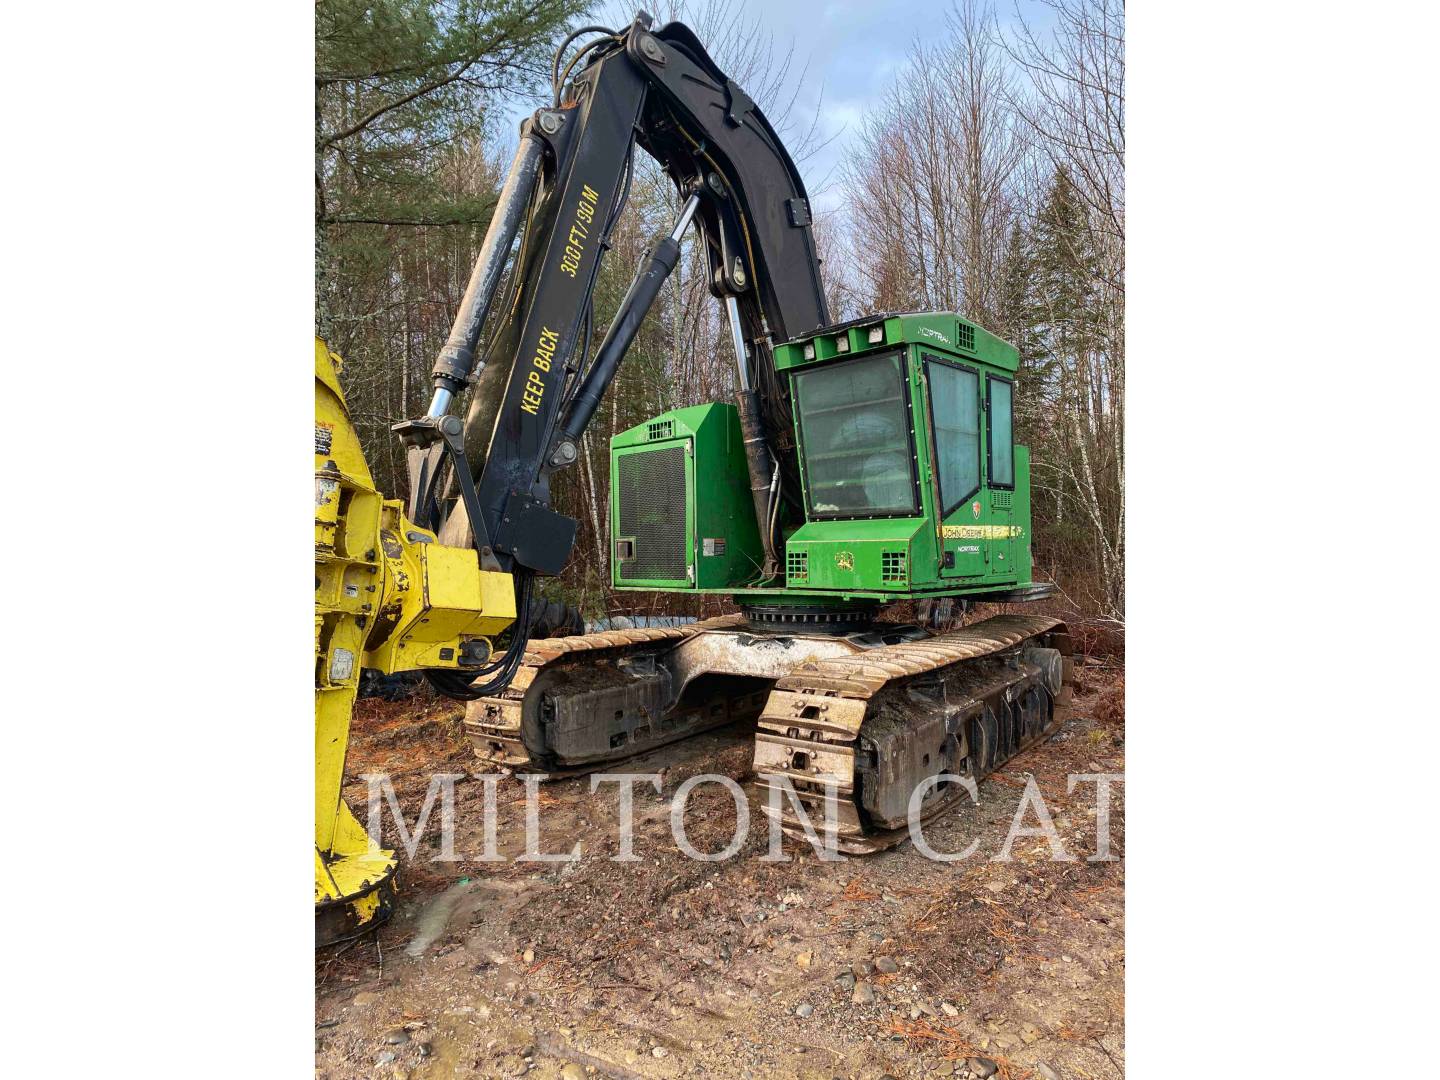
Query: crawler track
x=851 y=735
x=595 y=690
x=854 y=735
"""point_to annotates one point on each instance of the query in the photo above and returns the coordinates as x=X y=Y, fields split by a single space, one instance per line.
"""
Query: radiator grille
x=660 y=429
x=652 y=512
x=892 y=566
x=1000 y=500
x=965 y=335
x=797 y=565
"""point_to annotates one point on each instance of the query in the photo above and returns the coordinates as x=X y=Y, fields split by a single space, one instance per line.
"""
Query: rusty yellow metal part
x=387 y=597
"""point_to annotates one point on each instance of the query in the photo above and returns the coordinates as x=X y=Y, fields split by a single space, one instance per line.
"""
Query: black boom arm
x=534 y=392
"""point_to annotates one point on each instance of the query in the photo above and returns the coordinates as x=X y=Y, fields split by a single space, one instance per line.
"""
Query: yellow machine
x=389 y=597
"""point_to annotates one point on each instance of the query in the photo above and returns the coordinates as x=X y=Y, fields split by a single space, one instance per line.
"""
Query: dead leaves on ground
x=953 y=1045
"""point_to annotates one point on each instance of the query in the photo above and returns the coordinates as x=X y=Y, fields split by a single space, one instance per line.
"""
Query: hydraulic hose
x=460 y=685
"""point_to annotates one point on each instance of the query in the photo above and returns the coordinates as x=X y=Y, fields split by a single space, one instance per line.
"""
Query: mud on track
x=670 y=967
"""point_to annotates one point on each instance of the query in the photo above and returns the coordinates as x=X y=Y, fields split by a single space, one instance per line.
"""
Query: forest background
x=987 y=177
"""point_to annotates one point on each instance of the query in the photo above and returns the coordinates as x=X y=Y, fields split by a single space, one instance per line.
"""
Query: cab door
x=1000 y=476
x=954 y=392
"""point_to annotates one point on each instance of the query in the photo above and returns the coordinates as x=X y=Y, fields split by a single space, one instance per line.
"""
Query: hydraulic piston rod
x=457 y=361
x=737 y=339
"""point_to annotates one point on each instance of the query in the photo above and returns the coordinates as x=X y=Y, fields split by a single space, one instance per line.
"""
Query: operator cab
x=905 y=431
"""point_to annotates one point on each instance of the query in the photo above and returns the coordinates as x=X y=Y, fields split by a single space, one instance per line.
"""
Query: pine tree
x=1083 y=458
x=1019 y=322
x=1064 y=268
x=406 y=94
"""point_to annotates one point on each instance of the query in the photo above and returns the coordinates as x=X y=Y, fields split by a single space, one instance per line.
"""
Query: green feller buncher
x=860 y=465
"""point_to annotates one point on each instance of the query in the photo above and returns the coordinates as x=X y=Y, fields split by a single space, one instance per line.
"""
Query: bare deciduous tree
x=989 y=180
x=1073 y=108
x=932 y=191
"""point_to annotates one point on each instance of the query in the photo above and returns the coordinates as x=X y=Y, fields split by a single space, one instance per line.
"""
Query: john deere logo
x=844 y=560
x=975 y=509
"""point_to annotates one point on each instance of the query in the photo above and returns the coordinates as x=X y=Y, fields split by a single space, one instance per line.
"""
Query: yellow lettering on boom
x=579 y=231
x=534 y=391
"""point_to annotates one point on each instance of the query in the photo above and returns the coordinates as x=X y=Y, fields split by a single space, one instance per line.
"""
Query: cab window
x=855 y=438
x=955 y=419
x=1002 y=433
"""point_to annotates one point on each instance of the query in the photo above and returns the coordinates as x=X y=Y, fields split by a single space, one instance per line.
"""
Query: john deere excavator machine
x=860 y=465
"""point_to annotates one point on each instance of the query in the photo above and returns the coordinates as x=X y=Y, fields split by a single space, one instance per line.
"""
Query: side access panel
x=681 y=512
x=652 y=490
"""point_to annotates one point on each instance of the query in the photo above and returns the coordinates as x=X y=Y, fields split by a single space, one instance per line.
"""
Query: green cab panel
x=849 y=556
x=987 y=538
x=935 y=329
x=665 y=535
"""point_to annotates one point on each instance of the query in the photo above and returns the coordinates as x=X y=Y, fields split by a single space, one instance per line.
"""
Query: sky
x=853 y=51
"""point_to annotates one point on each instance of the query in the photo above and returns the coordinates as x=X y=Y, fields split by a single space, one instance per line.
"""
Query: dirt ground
x=889 y=965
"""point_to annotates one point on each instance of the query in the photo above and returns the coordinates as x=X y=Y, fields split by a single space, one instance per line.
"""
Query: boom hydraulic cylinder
x=623 y=328
x=764 y=474
x=457 y=361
